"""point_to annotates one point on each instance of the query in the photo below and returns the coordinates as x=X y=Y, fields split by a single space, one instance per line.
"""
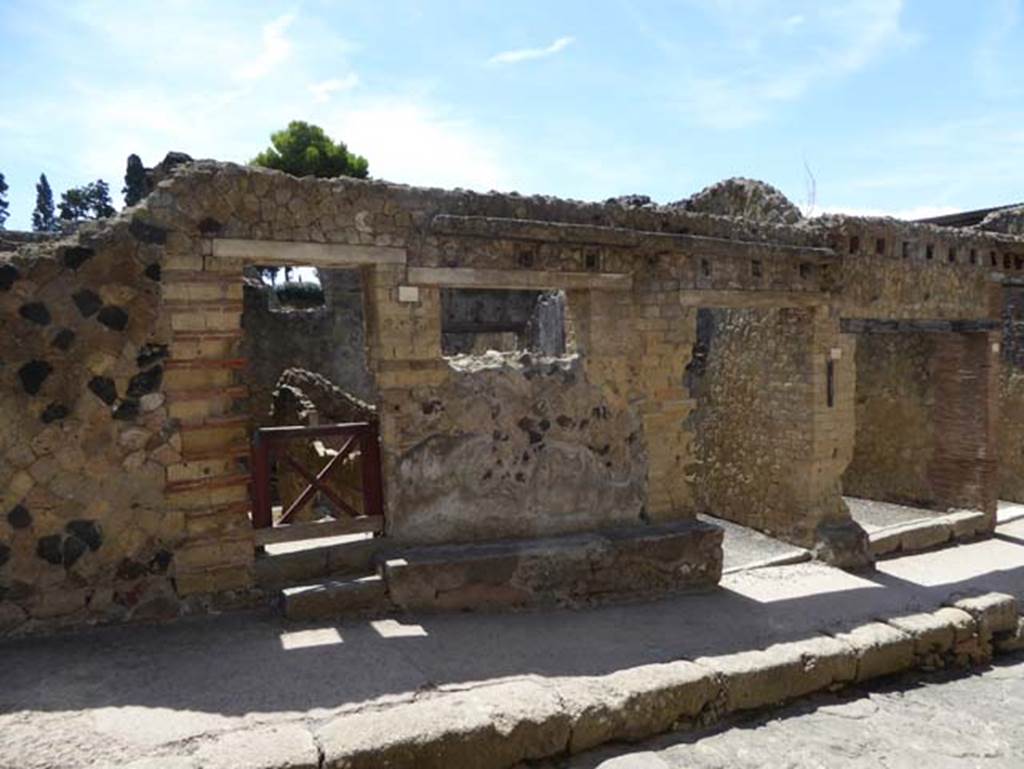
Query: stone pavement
x=940 y=721
x=110 y=696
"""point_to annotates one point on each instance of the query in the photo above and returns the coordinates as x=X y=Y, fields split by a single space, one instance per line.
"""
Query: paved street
x=935 y=722
x=110 y=696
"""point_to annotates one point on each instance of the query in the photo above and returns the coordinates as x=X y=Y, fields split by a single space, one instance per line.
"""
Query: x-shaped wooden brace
x=316 y=484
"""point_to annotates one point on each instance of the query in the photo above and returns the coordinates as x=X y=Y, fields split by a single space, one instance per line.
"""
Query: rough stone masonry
x=720 y=355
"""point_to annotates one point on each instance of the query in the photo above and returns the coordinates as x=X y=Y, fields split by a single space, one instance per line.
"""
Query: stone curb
x=497 y=726
x=927 y=533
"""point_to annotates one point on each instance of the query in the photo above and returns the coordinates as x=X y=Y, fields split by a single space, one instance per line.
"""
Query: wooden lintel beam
x=276 y=252
x=465 y=277
x=916 y=326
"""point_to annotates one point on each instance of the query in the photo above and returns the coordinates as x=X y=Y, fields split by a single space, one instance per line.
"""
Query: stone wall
x=1011 y=431
x=330 y=340
x=894 y=443
x=768 y=433
x=87 y=438
x=126 y=387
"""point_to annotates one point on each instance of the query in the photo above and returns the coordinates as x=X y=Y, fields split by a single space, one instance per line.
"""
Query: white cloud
x=323 y=91
x=275 y=50
x=528 y=54
x=414 y=142
x=794 y=21
x=755 y=69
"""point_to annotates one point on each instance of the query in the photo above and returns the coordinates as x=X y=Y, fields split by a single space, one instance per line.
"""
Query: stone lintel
x=492 y=227
x=464 y=277
x=275 y=252
x=914 y=326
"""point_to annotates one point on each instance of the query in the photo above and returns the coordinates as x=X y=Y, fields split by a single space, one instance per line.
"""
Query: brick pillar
x=963 y=470
x=838 y=539
x=404 y=353
x=205 y=395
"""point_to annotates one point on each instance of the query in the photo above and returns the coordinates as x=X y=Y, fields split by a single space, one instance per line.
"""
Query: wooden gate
x=276 y=450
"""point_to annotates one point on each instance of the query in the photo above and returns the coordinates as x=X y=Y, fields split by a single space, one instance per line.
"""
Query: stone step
x=334 y=598
x=284 y=566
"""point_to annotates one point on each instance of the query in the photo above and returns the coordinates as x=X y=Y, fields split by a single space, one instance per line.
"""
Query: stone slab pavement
x=110 y=696
x=946 y=721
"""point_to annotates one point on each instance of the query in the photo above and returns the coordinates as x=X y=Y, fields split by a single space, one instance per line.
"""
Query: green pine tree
x=134 y=188
x=4 y=213
x=305 y=150
x=90 y=201
x=43 y=219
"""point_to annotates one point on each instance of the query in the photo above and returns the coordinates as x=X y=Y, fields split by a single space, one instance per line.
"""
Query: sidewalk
x=231 y=690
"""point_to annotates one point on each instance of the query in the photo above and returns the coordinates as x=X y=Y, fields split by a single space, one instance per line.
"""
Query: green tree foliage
x=90 y=201
x=43 y=219
x=4 y=213
x=305 y=150
x=134 y=188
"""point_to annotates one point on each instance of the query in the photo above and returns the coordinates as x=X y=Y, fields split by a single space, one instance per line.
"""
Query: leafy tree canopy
x=90 y=201
x=303 y=149
x=3 y=201
x=43 y=219
x=134 y=188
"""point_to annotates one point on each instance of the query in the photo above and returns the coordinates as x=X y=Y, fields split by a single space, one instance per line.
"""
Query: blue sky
x=905 y=107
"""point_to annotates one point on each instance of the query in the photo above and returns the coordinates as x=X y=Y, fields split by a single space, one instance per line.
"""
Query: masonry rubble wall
x=894 y=441
x=754 y=423
x=923 y=304
x=124 y=482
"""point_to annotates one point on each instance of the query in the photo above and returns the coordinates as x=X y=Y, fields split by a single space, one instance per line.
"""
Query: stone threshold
x=928 y=533
x=500 y=725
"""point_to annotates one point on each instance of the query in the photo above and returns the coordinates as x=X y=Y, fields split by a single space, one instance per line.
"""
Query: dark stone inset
x=54 y=412
x=48 y=548
x=130 y=569
x=160 y=562
x=88 y=302
x=5 y=553
x=147 y=233
x=19 y=517
x=113 y=317
x=35 y=312
x=8 y=274
x=104 y=389
x=88 y=532
x=73 y=549
x=210 y=226
x=127 y=410
x=33 y=374
x=76 y=256
x=153 y=272
x=146 y=382
x=150 y=353
x=64 y=339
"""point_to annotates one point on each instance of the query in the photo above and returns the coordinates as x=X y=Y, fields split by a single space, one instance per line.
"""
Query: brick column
x=963 y=470
x=209 y=485
x=404 y=353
